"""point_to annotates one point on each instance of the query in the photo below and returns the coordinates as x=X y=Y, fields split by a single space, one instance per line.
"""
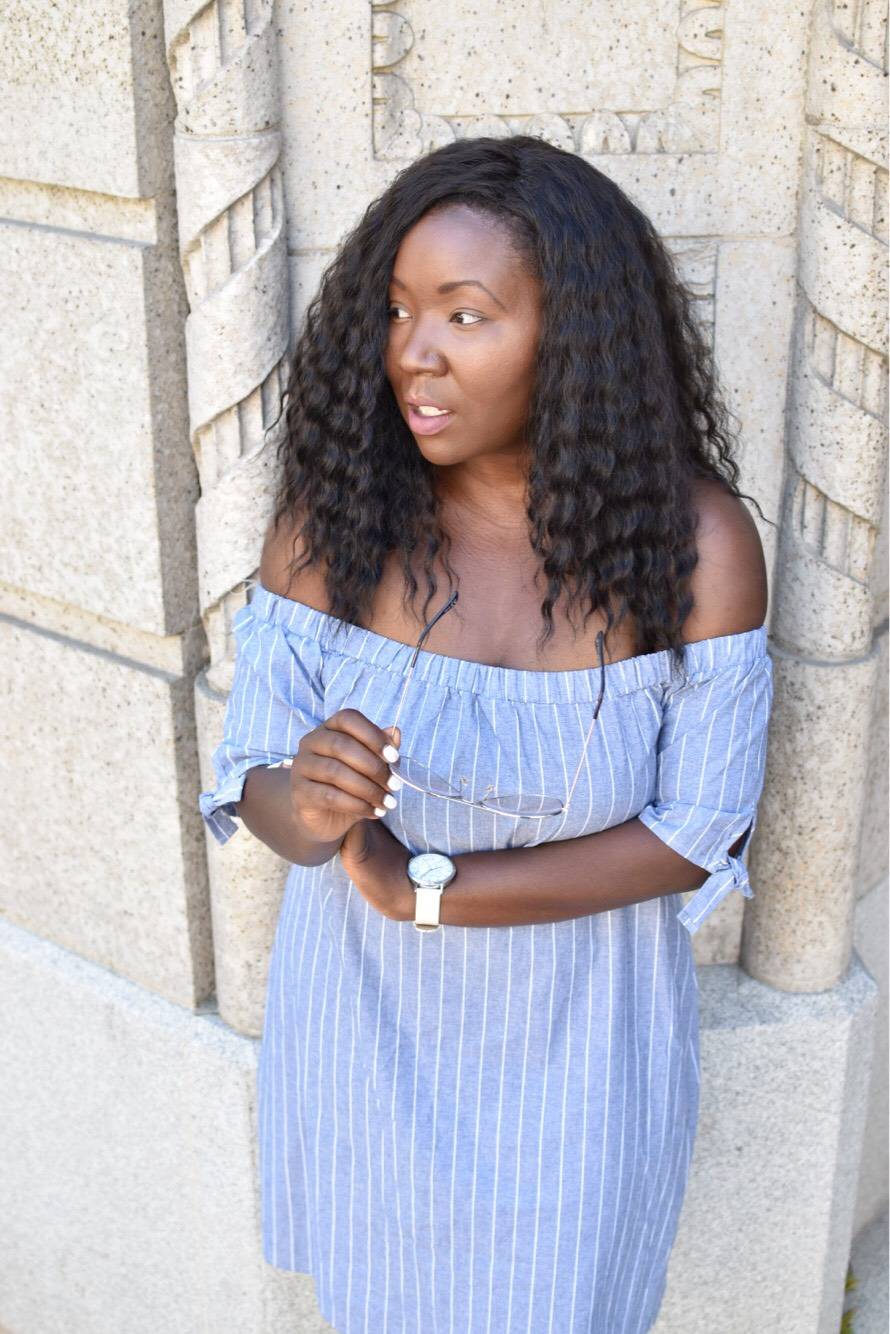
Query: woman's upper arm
x=282 y=545
x=729 y=584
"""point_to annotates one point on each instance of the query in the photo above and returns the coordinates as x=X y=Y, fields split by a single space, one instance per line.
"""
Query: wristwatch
x=429 y=873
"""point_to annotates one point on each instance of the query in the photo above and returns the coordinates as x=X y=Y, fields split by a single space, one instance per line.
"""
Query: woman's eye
x=476 y=319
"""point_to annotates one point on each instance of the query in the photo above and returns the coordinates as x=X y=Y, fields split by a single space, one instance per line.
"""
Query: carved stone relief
x=233 y=249
x=678 y=52
x=798 y=934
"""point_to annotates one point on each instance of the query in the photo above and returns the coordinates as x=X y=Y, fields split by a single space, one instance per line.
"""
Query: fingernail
x=394 y=782
x=379 y=810
x=390 y=753
x=390 y=801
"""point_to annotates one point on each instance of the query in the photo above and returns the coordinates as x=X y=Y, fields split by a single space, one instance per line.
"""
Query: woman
x=487 y=1125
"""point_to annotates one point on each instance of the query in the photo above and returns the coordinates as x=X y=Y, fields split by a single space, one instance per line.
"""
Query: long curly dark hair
x=624 y=415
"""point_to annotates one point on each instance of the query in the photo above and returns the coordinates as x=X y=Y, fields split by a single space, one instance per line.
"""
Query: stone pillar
x=233 y=249
x=797 y=933
x=102 y=850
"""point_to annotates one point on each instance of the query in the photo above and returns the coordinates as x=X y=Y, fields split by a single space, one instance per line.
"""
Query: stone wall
x=173 y=179
x=101 y=628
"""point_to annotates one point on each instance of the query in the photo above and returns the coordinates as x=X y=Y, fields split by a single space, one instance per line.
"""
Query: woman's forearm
x=573 y=877
x=266 y=810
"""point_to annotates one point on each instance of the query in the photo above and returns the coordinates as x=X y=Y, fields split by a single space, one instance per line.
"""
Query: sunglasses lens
x=420 y=776
x=526 y=804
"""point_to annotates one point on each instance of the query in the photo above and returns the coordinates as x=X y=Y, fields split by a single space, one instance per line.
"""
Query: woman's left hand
x=377 y=864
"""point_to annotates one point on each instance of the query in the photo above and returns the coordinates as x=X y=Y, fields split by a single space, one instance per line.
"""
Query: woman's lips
x=427 y=425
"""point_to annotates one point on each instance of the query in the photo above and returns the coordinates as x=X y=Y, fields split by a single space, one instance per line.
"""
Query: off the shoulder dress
x=488 y=1130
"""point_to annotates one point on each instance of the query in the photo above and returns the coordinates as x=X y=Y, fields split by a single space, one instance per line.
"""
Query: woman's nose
x=420 y=352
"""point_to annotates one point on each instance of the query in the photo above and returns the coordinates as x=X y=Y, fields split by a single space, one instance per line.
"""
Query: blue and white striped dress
x=488 y=1130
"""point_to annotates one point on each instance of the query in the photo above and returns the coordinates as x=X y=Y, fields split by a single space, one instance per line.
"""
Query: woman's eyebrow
x=458 y=282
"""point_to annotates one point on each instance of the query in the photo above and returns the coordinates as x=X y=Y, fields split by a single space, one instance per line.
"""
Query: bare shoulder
x=282 y=546
x=729 y=583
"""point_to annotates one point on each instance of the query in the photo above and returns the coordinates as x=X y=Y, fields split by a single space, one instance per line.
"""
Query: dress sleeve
x=711 y=763
x=277 y=696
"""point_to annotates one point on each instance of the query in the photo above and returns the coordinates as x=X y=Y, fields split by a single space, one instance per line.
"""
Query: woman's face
x=470 y=348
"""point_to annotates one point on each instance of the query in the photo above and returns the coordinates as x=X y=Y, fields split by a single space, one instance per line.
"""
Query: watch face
x=431 y=868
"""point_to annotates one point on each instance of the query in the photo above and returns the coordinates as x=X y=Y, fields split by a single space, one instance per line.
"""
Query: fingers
x=353 y=723
x=334 y=801
x=341 y=775
x=346 y=754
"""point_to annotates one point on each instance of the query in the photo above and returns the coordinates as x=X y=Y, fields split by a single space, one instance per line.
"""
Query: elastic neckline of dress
x=580 y=683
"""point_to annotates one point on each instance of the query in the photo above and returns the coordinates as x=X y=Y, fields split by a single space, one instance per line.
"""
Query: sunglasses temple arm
x=599 y=701
x=395 y=721
x=426 y=629
x=581 y=761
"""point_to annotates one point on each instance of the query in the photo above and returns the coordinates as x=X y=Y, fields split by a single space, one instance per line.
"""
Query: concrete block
x=766 y=1226
x=97 y=507
x=127 y=1157
x=99 y=770
x=84 y=95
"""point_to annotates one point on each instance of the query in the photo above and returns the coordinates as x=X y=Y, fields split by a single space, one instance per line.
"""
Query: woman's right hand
x=339 y=776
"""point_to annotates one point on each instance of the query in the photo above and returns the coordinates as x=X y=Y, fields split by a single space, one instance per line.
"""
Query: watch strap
x=427 y=902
